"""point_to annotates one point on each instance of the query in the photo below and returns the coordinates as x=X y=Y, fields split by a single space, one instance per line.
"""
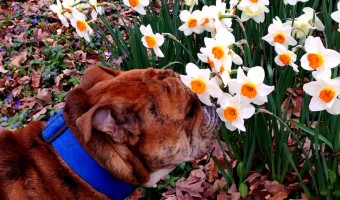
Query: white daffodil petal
x=158 y=51
x=247 y=111
x=229 y=126
x=258 y=100
x=214 y=90
x=223 y=100
x=264 y=90
x=332 y=58
x=220 y=113
x=204 y=98
x=256 y=74
x=316 y=104
x=312 y=88
x=239 y=123
x=335 y=109
x=192 y=70
x=234 y=86
x=160 y=39
x=186 y=80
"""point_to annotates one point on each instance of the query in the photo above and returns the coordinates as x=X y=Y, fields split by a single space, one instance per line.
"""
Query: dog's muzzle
x=211 y=120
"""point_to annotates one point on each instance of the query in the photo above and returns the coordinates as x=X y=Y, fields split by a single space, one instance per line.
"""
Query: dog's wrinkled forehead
x=154 y=85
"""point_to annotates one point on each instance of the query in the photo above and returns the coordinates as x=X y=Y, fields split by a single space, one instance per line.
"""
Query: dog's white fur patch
x=156 y=176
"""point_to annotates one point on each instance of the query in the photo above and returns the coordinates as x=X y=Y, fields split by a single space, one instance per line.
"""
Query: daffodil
x=198 y=81
x=207 y=20
x=151 y=40
x=304 y=23
x=293 y=2
x=97 y=9
x=325 y=94
x=218 y=11
x=254 y=9
x=216 y=53
x=137 y=5
x=336 y=15
x=227 y=39
x=233 y=111
x=192 y=22
x=285 y=57
x=279 y=33
x=58 y=9
x=78 y=21
x=318 y=57
x=191 y=2
x=68 y=5
x=251 y=87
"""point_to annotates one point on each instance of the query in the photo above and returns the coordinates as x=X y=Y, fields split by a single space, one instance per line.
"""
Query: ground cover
x=40 y=61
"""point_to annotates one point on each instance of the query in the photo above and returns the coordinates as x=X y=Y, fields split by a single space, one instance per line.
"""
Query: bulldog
x=131 y=127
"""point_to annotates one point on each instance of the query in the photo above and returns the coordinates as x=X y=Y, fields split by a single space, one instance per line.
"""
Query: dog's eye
x=191 y=112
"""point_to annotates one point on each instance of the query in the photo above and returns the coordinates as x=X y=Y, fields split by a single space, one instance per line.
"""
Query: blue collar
x=70 y=150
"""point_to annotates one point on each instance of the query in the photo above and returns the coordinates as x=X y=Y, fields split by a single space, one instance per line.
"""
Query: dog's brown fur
x=133 y=123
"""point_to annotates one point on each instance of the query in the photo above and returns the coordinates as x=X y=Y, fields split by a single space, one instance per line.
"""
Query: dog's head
x=147 y=117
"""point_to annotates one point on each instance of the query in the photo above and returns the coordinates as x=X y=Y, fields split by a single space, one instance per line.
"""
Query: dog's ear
x=96 y=74
x=104 y=119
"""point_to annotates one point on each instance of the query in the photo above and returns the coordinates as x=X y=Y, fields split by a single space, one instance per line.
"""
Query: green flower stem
x=296 y=138
x=234 y=71
x=248 y=58
x=169 y=35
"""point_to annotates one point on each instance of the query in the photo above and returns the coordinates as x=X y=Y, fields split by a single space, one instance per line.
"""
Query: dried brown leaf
x=252 y=177
x=2 y=69
x=222 y=195
x=16 y=91
x=24 y=80
x=41 y=112
x=44 y=95
x=29 y=102
x=59 y=105
x=18 y=59
x=36 y=75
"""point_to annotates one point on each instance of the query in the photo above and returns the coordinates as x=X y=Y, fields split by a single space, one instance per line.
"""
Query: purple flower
x=35 y=21
x=17 y=104
x=9 y=98
x=2 y=50
x=15 y=8
x=46 y=20
x=9 y=78
x=16 y=124
x=99 y=32
x=5 y=119
x=78 y=43
x=36 y=41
